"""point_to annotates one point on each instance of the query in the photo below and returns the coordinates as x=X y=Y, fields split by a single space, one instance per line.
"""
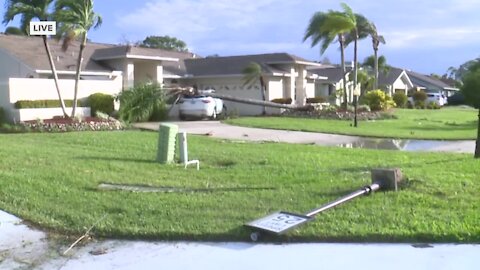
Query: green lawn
x=449 y=123
x=51 y=181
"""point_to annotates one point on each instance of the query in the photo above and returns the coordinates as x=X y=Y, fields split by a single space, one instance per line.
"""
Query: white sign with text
x=43 y=28
x=279 y=222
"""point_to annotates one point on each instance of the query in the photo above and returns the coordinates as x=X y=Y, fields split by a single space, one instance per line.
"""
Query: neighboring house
x=431 y=84
x=330 y=83
x=285 y=77
x=395 y=80
x=25 y=73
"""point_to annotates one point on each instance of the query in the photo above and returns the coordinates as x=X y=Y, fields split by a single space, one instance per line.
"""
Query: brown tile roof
x=31 y=51
x=124 y=50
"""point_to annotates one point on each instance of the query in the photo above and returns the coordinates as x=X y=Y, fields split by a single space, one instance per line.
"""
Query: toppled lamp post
x=282 y=221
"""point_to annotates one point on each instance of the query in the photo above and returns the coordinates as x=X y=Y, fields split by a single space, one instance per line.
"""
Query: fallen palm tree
x=178 y=92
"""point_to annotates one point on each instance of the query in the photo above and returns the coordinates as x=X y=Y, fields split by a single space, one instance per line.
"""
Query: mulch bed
x=339 y=114
x=61 y=124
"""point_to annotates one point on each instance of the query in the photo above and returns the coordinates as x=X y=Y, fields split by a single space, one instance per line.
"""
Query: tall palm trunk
x=55 y=75
x=341 y=40
x=77 y=77
x=355 y=75
x=477 y=143
x=375 y=63
x=264 y=94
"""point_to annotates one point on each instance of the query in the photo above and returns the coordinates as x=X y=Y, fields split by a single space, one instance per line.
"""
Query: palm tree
x=324 y=28
x=29 y=10
x=377 y=64
x=76 y=17
x=251 y=73
x=360 y=31
x=376 y=40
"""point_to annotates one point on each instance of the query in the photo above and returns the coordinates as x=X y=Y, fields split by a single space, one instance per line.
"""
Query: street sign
x=279 y=222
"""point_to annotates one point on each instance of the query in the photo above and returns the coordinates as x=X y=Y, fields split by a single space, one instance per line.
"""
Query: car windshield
x=186 y=97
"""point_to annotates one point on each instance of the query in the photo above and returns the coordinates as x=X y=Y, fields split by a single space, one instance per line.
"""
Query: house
x=431 y=84
x=330 y=83
x=394 y=80
x=285 y=77
x=25 y=73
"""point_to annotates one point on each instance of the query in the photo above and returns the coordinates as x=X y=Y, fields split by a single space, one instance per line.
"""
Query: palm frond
x=251 y=73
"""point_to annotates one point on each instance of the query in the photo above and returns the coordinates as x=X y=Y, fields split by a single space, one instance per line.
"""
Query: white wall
x=399 y=84
x=45 y=113
x=35 y=89
x=38 y=89
x=310 y=88
x=275 y=88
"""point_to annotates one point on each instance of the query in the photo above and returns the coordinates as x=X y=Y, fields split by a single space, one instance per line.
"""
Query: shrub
x=99 y=102
x=400 y=99
x=44 y=103
x=419 y=98
x=142 y=103
x=316 y=100
x=377 y=100
x=433 y=105
x=419 y=104
x=282 y=100
x=456 y=99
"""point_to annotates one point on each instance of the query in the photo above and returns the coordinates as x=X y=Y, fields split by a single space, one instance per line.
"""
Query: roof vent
x=58 y=58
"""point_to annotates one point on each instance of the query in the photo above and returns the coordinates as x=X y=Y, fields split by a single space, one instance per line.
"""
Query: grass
x=51 y=181
x=449 y=123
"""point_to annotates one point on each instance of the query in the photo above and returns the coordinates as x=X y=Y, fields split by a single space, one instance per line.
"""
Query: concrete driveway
x=217 y=129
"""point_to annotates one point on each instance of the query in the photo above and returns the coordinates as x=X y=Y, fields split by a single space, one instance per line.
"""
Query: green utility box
x=166 y=143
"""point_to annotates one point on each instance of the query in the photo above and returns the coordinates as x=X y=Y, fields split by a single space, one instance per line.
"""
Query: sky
x=426 y=36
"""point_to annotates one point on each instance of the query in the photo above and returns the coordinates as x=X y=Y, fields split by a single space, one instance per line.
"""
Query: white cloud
x=432 y=37
x=193 y=19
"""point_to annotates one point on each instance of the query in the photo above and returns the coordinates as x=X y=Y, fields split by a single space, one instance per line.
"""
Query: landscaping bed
x=61 y=124
x=52 y=181
x=362 y=115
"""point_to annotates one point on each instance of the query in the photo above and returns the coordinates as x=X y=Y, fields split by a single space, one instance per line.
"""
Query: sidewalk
x=24 y=248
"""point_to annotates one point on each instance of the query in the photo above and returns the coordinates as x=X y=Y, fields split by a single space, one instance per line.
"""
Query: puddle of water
x=393 y=144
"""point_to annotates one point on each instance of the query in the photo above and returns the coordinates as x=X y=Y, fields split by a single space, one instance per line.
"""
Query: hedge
x=44 y=103
x=99 y=102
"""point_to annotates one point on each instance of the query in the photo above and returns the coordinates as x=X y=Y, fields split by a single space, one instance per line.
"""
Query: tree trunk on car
x=262 y=103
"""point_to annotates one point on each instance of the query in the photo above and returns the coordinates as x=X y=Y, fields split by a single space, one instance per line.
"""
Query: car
x=200 y=107
x=437 y=98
